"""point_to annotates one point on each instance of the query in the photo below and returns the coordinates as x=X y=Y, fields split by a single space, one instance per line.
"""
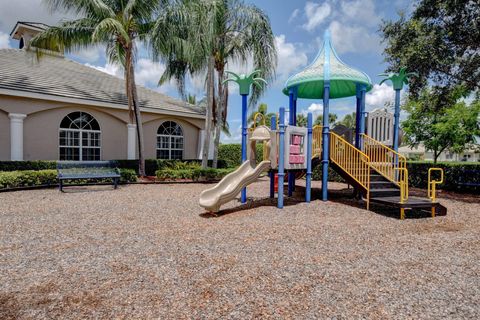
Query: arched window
x=79 y=137
x=169 y=141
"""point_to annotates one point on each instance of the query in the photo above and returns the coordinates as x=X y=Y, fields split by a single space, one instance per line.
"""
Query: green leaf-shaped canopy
x=327 y=67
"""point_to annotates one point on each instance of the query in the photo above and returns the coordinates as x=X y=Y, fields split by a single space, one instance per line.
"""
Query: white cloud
x=294 y=15
x=111 y=69
x=353 y=38
x=316 y=14
x=315 y=108
x=353 y=23
x=27 y=10
x=379 y=95
x=4 y=42
x=90 y=55
x=361 y=11
x=148 y=73
x=236 y=135
x=290 y=58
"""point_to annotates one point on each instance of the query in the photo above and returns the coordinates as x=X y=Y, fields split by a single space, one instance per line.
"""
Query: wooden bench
x=86 y=170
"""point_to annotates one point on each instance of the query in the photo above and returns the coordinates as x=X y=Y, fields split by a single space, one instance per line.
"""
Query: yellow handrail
x=432 y=186
x=386 y=161
x=317 y=141
x=257 y=114
x=353 y=162
x=403 y=183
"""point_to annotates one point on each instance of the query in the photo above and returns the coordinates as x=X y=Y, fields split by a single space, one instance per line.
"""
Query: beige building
x=57 y=109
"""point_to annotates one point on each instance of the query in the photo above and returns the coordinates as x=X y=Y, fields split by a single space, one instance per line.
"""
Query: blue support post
x=244 y=140
x=357 y=117
x=308 y=183
x=326 y=140
x=273 y=126
x=363 y=90
x=396 y=121
x=291 y=122
x=281 y=151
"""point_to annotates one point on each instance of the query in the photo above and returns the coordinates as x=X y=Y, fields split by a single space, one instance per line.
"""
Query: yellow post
x=432 y=186
x=402 y=213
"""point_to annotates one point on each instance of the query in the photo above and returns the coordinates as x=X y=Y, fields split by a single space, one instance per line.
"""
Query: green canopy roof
x=327 y=66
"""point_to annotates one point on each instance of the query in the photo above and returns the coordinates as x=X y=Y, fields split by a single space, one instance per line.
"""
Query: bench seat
x=86 y=170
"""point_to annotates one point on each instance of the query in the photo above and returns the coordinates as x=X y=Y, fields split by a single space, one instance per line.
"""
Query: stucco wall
x=41 y=134
x=4 y=136
x=190 y=140
x=43 y=120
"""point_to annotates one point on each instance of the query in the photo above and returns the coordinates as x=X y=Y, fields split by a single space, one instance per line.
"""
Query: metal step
x=382 y=185
x=377 y=177
x=381 y=193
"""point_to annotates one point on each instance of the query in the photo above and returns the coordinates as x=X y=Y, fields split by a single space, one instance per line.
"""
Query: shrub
x=29 y=178
x=455 y=174
x=128 y=175
x=231 y=154
x=15 y=179
x=194 y=174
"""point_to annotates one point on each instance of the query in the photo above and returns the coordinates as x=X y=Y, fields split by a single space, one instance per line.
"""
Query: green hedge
x=455 y=174
x=29 y=178
x=194 y=174
x=151 y=165
x=231 y=154
x=26 y=178
x=27 y=165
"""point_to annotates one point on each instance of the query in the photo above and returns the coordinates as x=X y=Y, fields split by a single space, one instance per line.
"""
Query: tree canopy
x=440 y=41
x=454 y=130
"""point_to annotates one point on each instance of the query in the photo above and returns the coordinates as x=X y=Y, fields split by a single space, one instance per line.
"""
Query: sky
x=298 y=27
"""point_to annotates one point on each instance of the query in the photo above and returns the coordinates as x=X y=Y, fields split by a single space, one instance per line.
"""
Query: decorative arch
x=79 y=137
x=170 y=141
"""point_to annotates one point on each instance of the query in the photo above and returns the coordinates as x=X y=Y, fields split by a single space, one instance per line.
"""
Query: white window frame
x=80 y=142
x=170 y=138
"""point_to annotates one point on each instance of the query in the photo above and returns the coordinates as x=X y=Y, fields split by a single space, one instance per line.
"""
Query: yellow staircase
x=375 y=170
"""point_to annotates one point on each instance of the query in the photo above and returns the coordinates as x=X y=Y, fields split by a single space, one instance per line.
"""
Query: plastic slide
x=231 y=185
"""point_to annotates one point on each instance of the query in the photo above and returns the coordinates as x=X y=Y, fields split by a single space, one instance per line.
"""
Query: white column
x=131 y=141
x=16 y=136
x=201 y=137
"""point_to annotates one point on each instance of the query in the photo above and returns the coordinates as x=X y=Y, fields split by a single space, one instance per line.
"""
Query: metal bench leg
x=115 y=183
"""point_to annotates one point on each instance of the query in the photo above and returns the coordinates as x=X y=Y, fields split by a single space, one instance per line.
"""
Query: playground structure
x=285 y=148
x=377 y=172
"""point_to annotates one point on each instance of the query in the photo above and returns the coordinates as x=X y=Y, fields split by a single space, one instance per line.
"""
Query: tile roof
x=58 y=76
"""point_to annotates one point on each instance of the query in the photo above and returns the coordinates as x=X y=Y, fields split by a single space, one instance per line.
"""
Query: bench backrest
x=87 y=168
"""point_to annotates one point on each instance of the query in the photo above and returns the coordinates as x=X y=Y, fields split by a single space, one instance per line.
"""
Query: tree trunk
x=133 y=105
x=221 y=105
x=208 y=118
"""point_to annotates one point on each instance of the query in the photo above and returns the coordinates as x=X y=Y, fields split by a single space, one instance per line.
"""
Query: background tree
x=301 y=120
x=117 y=24
x=453 y=130
x=332 y=117
x=221 y=31
x=440 y=41
x=263 y=109
x=349 y=120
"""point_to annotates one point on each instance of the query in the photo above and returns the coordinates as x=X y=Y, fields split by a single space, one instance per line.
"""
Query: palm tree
x=117 y=24
x=211 y=34
x=349 y=120
x=332 y=117
x=301 y=120
x=263 y=110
